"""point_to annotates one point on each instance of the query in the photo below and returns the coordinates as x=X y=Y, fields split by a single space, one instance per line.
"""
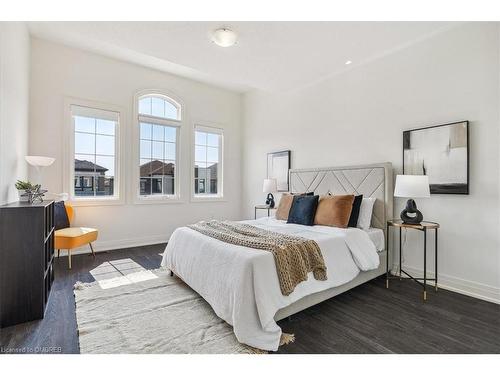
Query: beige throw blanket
x=295 y=256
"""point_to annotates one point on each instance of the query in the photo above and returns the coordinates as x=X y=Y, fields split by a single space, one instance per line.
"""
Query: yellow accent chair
x=73 y=237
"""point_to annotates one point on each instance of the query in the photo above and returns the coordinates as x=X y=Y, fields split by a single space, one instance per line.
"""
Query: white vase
x=22 y=199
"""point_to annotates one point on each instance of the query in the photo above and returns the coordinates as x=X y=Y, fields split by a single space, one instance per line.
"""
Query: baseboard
x=119 y=244
x=469 y=288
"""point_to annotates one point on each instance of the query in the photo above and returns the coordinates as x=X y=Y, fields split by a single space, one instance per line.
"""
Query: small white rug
x=154 y=313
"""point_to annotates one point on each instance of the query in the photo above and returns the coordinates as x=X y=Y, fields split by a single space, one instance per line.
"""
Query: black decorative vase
x=270 y=200
x=411 y=215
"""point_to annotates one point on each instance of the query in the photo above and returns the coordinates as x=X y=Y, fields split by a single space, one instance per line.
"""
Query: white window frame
x=214 y=129
x=137 y=198
x=69 y=153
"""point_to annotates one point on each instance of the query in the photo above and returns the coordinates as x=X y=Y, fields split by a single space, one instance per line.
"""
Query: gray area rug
x=151 y=312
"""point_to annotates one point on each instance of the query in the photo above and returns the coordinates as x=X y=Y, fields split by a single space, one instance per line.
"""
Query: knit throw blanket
x=295 y=256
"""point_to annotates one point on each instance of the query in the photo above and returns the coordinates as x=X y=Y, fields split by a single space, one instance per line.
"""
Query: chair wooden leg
x=69 y=259
x=92 y=249
x=58 y=252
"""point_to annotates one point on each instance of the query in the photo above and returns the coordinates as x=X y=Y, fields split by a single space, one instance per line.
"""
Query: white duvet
x=241 y=284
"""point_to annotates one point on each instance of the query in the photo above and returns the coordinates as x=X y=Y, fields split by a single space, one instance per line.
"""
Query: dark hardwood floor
x=367 y=319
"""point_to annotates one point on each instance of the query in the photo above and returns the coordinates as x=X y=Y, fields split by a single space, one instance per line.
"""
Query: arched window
x=159 y=106
x=159 y=121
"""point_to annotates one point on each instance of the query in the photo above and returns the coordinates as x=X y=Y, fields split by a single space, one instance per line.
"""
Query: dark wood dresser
x=26 y=260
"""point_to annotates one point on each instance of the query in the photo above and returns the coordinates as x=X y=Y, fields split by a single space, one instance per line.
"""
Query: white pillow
x=365 y=213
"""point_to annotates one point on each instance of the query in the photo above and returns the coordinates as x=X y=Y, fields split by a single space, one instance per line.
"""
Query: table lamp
x=270 y=186
x=412 y=186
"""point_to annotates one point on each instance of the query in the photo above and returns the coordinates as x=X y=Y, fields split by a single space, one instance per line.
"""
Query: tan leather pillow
x=284 y=206
x=334 y=210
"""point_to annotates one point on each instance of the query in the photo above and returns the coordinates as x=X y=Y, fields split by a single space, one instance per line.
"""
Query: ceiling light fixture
x=224 y=37
x=348 y=62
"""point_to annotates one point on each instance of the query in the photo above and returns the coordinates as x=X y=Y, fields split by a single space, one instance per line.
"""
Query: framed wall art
x=440 y=152
x=278 y=164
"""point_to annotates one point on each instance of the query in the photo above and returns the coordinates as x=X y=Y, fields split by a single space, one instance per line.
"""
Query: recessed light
x=348 y=62
x=224 y=37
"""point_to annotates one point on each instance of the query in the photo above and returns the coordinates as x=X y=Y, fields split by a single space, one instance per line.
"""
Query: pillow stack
x=340 y=211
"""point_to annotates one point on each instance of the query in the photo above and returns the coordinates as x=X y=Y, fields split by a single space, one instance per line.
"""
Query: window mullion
x=95 y=158
x=158 y=120
x=219 y=167
x=151 y=156
x=163 y=145
x=206 y=163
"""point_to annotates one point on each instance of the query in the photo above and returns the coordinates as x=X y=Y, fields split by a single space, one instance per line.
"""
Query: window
x=159 y=106
x=207 y=162
x=159 y=121
x=95 y=161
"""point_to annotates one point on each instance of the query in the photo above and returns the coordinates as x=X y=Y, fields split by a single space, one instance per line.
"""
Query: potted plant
x=23 y=188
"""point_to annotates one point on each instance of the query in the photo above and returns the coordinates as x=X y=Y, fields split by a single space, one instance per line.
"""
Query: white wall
x=14 y=98
x=358 y=117
x=58 y=72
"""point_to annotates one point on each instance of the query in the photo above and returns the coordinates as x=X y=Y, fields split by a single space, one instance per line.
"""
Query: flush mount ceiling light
x=224 y=37
x=348 y=62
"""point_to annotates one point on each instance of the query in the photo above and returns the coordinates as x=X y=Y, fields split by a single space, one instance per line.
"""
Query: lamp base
x=270 y=200
x=411 y=215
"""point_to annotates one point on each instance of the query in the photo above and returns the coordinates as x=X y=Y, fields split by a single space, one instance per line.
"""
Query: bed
x=241 y=283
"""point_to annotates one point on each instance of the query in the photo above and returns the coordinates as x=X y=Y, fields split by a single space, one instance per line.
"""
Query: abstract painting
x=278 y=164
x=440 y=152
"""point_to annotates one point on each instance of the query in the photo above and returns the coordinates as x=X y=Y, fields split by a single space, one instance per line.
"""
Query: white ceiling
x=269 y=55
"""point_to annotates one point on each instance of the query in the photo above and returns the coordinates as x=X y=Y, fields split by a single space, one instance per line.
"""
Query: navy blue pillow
x=303 y=209
x=61 y=219
x=356 y=205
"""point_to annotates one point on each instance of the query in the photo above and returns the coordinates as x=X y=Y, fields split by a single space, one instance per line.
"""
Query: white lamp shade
x=39 y=161
x=412 y=186
x=269 y=186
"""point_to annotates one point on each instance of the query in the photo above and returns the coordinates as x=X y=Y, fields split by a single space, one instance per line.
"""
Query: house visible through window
x=208 y=161
x=159 y=119
x=95 y=159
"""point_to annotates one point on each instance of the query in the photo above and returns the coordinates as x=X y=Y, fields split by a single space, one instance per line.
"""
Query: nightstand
x=424 y=226
x=263 y=207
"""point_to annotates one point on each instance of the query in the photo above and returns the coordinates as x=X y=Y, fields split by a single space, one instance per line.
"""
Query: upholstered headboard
x=373 y=180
